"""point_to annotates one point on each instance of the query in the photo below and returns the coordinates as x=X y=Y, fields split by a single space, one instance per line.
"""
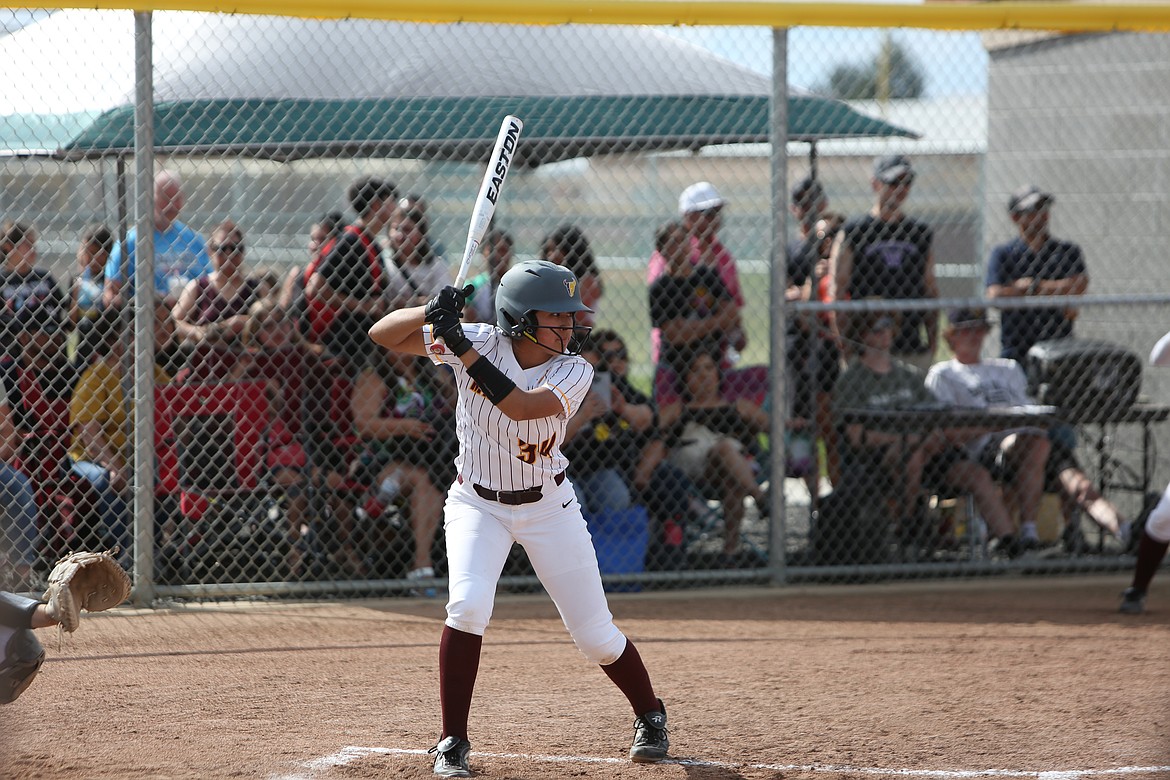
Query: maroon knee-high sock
x=1149 y=557
x=458 y=665
x=629 y=674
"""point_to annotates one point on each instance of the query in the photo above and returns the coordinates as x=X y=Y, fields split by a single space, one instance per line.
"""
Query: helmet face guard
x=534 y=286
x=527 y=328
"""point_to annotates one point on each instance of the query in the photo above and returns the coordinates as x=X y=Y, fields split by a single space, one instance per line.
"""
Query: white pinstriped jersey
x=496 y=451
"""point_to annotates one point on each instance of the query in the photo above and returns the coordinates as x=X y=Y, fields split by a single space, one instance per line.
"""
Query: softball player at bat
x=519 y=382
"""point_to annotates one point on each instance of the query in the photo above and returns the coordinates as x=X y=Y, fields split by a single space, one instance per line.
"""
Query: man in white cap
x=1035 y=263
x=886 y=254
x=700 y=207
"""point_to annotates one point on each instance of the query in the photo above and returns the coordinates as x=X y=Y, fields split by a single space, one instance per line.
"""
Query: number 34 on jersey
x=529 y=451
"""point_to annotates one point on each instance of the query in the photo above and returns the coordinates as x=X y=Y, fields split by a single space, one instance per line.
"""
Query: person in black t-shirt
x=617 y=457
x=713 y=441
x=886 y=254
x=605 y=440
x=690 y=305
x=1033 y=264
x=23 y=285
x=343 y=290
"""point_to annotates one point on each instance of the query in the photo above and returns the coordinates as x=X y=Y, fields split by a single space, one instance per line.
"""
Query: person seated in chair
x=403 y=410
x=969 y=380
x=288 y=364
x=101 y=447
x=18 y=510
x=714 y=441
x=916 y=461
x=617 y=458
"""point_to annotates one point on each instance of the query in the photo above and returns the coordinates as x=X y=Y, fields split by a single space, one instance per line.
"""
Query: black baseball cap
x=807 y=191
x=965 y=318
x=892 y=168
x=1029 y=198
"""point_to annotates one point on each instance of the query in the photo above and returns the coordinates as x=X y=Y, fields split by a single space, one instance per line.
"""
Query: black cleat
x=1133 y=602
x=451 y=757
x=1010 y=547
x=650 y=740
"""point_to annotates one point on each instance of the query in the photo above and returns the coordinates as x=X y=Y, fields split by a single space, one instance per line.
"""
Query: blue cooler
x=620 y=539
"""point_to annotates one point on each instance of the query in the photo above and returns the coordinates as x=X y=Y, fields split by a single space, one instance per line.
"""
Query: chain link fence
x=942 y=198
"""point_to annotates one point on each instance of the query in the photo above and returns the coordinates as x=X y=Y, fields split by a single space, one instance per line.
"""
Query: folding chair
x=212 y=454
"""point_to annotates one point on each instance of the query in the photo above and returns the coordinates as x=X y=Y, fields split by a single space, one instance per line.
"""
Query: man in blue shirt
x=180 y=253
x=1034 y=264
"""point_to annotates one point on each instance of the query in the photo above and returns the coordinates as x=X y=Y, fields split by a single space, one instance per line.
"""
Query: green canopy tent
x=286 y=89
x=463 y=128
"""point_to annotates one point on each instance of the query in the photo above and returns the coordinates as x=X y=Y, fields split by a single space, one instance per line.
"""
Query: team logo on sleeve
x=571 y=286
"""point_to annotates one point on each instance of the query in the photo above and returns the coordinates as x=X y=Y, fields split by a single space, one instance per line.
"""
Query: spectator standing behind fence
x=887 y=254
x=22 y=284
x=1034 y=264
x=713 y=442
x=824 y=353
x=98 y=412
x=689 y=305
x=911 y=460
x=700 y=207
x=498 y=251
x=968 y=380
x=213 y=308
x=86 y=287
x=292 y=290
x=808 y=203
x=180 y=253
x=403 y=410
x=344 y=286
x=1155 y=535
x=568 y=246
x=416 y=271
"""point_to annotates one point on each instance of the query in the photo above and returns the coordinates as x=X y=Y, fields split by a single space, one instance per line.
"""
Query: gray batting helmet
x=538 y=285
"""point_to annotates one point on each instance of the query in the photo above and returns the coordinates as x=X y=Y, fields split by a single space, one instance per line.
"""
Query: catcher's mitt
x=85 y=580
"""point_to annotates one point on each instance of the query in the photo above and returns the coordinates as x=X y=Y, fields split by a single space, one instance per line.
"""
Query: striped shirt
x=496 y=451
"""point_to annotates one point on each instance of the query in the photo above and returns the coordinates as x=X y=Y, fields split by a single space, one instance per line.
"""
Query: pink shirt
x=724 y=264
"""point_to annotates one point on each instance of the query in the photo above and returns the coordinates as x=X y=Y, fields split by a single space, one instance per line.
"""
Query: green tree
x=892 y=74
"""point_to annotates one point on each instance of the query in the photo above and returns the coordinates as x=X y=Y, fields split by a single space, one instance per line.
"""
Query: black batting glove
x=447 y=326
x=450 y=300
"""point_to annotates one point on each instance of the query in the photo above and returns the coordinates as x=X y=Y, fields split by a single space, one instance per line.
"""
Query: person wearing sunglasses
x=1034 y=263
x=617 y=458
x=888 y=254
x=213 y=308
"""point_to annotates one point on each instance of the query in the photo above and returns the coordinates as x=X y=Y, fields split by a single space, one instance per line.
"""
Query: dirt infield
x=927 y=679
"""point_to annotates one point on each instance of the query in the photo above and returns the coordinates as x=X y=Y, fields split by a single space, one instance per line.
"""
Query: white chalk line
x=347 y=755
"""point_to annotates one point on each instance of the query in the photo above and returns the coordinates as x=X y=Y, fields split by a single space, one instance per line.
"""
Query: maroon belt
x=513 y=497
